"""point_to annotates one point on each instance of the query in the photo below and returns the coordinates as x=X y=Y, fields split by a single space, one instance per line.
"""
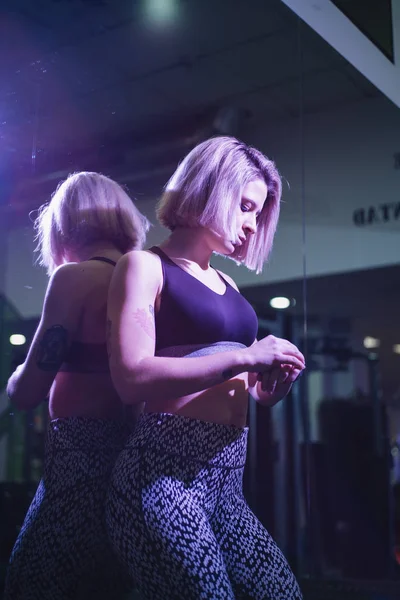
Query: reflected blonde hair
x=207 y=188
x=86 y=208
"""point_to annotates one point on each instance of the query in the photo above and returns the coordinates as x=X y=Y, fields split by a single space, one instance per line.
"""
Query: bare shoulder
x=70 y=281
x=228 y=279
x=140 y=260
x=139 y=268
x=65 y=278
x=65 y=291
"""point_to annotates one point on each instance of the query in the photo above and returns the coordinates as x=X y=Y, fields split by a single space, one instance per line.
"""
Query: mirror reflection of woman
x=182 y=340
x=62 y=550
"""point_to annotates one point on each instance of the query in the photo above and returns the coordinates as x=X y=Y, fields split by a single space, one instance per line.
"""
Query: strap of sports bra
x=169 y=260
x=162 y=255
x=104 y=259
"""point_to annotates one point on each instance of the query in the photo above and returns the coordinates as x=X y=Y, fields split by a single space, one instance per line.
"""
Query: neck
x=189 y=244
x=105 y=249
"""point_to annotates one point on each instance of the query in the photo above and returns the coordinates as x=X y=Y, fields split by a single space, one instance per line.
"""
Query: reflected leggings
x=178 y=520
x=62 y=551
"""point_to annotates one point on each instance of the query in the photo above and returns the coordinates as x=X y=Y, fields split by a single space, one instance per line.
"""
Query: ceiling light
x=396 y=348
x=17 y=339
x=162 y=12
x=280 y=302
x=370 y=342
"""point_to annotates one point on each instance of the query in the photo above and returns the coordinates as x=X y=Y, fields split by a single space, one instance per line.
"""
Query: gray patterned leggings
x=62 y=551
x=178 y=520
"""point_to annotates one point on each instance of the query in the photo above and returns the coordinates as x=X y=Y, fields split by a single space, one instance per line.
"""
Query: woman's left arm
x=30 y=383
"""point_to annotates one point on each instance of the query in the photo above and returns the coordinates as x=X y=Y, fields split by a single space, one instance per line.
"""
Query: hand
x=275 y=384
x=273 y=352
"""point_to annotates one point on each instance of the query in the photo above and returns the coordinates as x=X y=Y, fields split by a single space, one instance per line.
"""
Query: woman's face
x=247 y=212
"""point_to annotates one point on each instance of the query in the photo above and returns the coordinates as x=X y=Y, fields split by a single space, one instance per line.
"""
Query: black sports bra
x=84 y=357
x=190 y=313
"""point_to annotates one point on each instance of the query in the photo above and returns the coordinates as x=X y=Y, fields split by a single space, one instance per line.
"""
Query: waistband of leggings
x=195 y=350
x=87 y=434
x=192 y=439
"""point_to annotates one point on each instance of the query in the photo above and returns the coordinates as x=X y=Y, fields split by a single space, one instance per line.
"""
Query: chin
x=228 y=249
x=237 y=254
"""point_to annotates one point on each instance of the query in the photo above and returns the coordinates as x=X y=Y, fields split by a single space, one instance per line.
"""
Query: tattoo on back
x=146 y=320
x=52 y=348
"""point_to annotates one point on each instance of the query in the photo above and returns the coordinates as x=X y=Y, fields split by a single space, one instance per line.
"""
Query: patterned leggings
x=62 y=551
x=178 y=520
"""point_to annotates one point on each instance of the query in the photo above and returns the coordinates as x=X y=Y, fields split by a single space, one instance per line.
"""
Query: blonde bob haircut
x=86 y=208
x=207 y=188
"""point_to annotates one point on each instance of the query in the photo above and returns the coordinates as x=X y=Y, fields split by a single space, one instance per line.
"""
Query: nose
x=250 y=224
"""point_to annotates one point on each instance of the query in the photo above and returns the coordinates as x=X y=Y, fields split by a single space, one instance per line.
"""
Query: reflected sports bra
x=84 y=357
x=190 y=313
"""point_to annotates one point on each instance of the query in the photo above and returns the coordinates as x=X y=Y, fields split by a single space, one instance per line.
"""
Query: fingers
x=293 y=375
x=285 y=372
x=282 y=374
x=292 y=350
x=272 y=352
x=270 y=380
x=285 y=352
x=293 y=361
x=288 y=374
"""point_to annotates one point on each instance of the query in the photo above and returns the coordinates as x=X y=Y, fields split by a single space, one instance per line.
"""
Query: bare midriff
x=89 y=395
x=225 y=403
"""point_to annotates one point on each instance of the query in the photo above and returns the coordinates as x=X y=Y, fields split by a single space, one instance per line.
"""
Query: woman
x=182 y=340
x=62 y=550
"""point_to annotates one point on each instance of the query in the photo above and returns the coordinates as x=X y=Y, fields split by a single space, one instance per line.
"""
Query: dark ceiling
x=127 y=87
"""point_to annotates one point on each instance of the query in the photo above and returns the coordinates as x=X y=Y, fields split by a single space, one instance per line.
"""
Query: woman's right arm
x=31 y=382
x=137 y=374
